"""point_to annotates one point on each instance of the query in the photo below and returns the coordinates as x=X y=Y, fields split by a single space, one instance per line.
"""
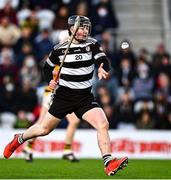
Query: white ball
x=124 y=45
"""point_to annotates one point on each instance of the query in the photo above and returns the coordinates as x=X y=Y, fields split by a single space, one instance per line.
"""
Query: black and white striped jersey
x=78 y=67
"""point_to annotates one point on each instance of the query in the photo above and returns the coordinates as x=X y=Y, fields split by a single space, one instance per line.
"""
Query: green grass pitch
x=85 y=169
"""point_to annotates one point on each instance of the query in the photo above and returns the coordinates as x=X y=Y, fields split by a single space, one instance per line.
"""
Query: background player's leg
x=73 y=122
x=28 y=150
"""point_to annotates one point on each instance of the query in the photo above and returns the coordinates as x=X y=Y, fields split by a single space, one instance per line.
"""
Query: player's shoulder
x=60 y=45
x=91 y=40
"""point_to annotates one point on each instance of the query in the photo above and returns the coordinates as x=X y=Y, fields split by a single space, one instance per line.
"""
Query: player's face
x=82 y=33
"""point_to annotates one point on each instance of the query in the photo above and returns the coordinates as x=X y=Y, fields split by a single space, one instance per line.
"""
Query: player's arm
x=102 y=61
x=51 y=62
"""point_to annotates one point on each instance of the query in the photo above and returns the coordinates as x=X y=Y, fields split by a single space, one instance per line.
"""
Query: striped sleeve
x=53 y=58
x=98 y=51
x=100 y=57
x=51 y=62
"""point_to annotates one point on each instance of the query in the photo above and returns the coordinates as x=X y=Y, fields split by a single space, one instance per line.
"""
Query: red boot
x=115 y=165
x=12 y=146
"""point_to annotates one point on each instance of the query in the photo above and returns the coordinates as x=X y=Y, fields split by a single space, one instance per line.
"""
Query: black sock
x=107 y=158
x=20 y=139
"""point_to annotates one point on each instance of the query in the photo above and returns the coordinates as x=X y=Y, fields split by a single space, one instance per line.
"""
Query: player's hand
x=102 y=74
x=55 y=74
x=52 y=84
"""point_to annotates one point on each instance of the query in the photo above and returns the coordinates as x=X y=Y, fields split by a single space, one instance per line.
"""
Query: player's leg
x=73 y=122
x=28 y=150
x=48 y=123
x=29 y=145
x=97 y=118
x=42 y=128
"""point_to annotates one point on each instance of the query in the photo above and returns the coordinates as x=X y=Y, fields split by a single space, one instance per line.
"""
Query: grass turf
x=85 y=169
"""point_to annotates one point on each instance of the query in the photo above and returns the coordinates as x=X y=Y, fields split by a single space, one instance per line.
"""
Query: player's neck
x=75 y=41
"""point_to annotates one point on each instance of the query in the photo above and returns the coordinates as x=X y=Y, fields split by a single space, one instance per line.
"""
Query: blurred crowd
x=137 y=95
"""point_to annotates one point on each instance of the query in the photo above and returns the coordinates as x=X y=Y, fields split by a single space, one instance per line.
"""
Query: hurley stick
x=76 y=26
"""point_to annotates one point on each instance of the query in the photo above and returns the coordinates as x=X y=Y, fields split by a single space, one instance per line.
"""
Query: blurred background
x=135 y=35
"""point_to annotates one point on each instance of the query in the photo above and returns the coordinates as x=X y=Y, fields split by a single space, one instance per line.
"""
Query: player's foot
x=115 y=165
x=12 y=146
x=70 y=157
x=28 y=156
